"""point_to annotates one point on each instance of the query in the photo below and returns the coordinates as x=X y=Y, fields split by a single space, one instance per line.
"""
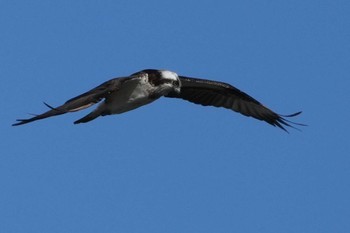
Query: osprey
x=127 y=93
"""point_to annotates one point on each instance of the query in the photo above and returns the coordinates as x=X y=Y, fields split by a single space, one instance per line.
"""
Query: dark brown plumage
x=141 y=88
x=219 y=94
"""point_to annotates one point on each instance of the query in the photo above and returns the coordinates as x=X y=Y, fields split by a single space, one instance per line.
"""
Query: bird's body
x=133 y=94
x=127 y=93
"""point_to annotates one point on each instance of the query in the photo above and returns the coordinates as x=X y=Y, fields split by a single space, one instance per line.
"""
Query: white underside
x=133 y=94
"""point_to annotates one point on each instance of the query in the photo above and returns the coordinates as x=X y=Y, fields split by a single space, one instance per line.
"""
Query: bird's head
x=164 y=81
x=170 y=80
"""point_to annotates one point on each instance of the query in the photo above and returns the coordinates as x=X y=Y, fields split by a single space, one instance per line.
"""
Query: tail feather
x=91 y=116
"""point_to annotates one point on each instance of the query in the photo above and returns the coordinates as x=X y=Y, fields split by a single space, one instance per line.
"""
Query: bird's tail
x=89 y=117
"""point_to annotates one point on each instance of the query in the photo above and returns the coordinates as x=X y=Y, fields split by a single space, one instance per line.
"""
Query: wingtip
x=20 y=122
x=292 y=115
x=282 y=121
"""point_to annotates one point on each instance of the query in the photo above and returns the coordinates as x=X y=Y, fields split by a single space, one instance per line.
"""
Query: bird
x=127 y=93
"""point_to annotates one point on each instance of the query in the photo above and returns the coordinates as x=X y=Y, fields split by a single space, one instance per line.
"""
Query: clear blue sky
x=173 y=166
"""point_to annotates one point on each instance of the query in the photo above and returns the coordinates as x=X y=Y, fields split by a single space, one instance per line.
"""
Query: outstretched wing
x=219 y=94
x=80 y=102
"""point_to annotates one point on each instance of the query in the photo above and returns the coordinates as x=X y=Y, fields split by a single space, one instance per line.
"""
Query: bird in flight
x=123 y=94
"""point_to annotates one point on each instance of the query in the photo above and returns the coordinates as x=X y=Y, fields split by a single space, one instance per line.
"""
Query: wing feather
x=220 y=94
x=79 y=102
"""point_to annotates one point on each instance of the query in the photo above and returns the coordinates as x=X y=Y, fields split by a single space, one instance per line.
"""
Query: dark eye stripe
x=176 y=82
x=158 y=82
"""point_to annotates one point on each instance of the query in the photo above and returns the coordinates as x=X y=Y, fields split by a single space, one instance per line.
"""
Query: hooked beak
x=177 y=90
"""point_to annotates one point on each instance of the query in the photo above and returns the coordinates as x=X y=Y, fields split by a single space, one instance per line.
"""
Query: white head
x=170 y=79
x=164 y=81
x=167 y=74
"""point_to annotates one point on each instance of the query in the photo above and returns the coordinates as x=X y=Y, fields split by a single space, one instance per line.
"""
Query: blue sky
x=173 y=166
